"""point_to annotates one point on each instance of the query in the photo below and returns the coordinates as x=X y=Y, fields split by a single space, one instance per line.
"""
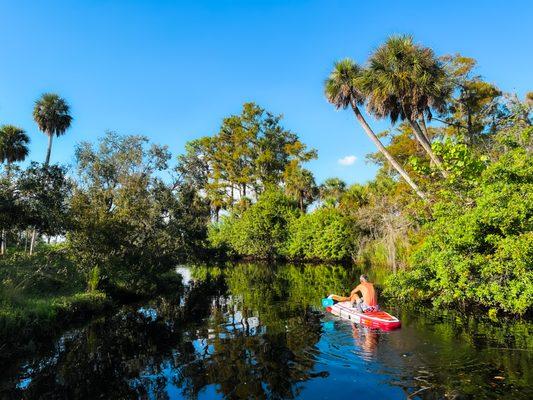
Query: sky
x=172 y=70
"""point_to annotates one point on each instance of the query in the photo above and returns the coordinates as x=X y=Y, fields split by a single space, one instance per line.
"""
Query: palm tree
x=406 y=81
x=13 y=147
x=342 y=90
x=51 y=113
x=300 y=185
x=332 y=190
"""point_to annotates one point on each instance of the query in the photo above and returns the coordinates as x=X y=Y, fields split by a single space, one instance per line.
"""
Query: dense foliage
x=251 y=152
x=325 y=234
x=126 y=221
x=261 y=230
x=482 y=254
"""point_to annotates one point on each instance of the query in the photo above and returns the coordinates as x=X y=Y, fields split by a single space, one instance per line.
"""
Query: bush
x=325 y=234
x=482 y=255
x=260 y=231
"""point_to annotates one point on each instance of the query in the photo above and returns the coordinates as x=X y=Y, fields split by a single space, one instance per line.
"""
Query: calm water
x=251 y=331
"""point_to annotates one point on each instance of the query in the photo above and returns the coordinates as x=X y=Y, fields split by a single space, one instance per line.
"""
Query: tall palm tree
x=406 y=81
x=52 y=115
x=13 y=147
x=342 y=90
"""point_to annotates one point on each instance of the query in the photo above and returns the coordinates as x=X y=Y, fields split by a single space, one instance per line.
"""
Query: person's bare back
x=369 y=301
x=368 y=292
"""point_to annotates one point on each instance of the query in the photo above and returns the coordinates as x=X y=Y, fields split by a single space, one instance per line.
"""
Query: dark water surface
x=252 y=331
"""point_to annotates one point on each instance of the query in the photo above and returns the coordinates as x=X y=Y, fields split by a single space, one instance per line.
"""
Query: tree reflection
x=253 y=331
x=259 y=345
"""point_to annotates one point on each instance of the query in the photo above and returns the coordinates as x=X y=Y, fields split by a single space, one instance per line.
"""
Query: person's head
x=363 y=278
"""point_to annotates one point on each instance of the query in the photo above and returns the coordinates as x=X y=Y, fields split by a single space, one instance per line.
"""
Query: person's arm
x=354 y=296
x=357 y=289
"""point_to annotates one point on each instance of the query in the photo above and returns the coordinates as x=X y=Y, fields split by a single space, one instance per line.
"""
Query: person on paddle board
x=369 y=300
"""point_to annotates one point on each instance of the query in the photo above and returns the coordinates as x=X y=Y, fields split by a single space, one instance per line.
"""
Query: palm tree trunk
x=424 y=128
x=46 y=162
x=384 y=151
x=49 y=150
x=427 y=147
x=422 y=125
x=3 y=248
x=32 y=243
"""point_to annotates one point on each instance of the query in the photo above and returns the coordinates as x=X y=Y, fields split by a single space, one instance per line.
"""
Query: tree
x=474 y=108
x=261 y=230
x=44 y=194
x=300 y=185
x=13 y=147
x=126 y=220
x=250 y=152
x=323 y=234
x=405 y=81
x=342 y=90
x=479 y=253
x=331 y=191
x=52 y=115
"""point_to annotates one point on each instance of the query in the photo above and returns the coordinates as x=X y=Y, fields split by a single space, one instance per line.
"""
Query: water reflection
x=256 y=331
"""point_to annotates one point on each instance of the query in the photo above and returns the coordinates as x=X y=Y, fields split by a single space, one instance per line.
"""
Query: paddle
x=327 y=302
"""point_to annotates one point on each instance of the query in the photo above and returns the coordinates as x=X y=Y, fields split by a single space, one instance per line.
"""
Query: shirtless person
x=368 y=303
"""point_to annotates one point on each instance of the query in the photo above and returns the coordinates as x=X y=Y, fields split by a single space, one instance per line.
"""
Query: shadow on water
x=256 y=331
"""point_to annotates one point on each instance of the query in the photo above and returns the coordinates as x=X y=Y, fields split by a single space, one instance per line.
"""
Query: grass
x=41 y=294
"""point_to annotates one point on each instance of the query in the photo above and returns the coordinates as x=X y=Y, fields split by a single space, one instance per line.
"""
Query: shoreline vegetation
x=449 y=214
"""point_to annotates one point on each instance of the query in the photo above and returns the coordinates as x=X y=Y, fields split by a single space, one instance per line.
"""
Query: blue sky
x=172 y=70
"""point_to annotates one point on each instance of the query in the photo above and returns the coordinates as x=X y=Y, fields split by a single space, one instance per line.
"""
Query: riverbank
x=45 y=293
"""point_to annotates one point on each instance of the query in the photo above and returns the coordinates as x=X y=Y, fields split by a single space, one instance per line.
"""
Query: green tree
x=261 y=230
x=474 y=108
x=331 y=191
x=479 y=253
x=342 y=90
x=13 y=147
x=300 y=185
x=126 y=220
x=250 y=152
x=44 y=192
x=52 y=115
x=406 y=81
x=324 y=234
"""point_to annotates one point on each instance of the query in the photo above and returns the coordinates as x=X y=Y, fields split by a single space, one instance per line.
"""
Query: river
x=258 y=331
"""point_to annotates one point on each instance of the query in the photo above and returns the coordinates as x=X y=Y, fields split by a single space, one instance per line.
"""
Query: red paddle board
x=372 y=319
